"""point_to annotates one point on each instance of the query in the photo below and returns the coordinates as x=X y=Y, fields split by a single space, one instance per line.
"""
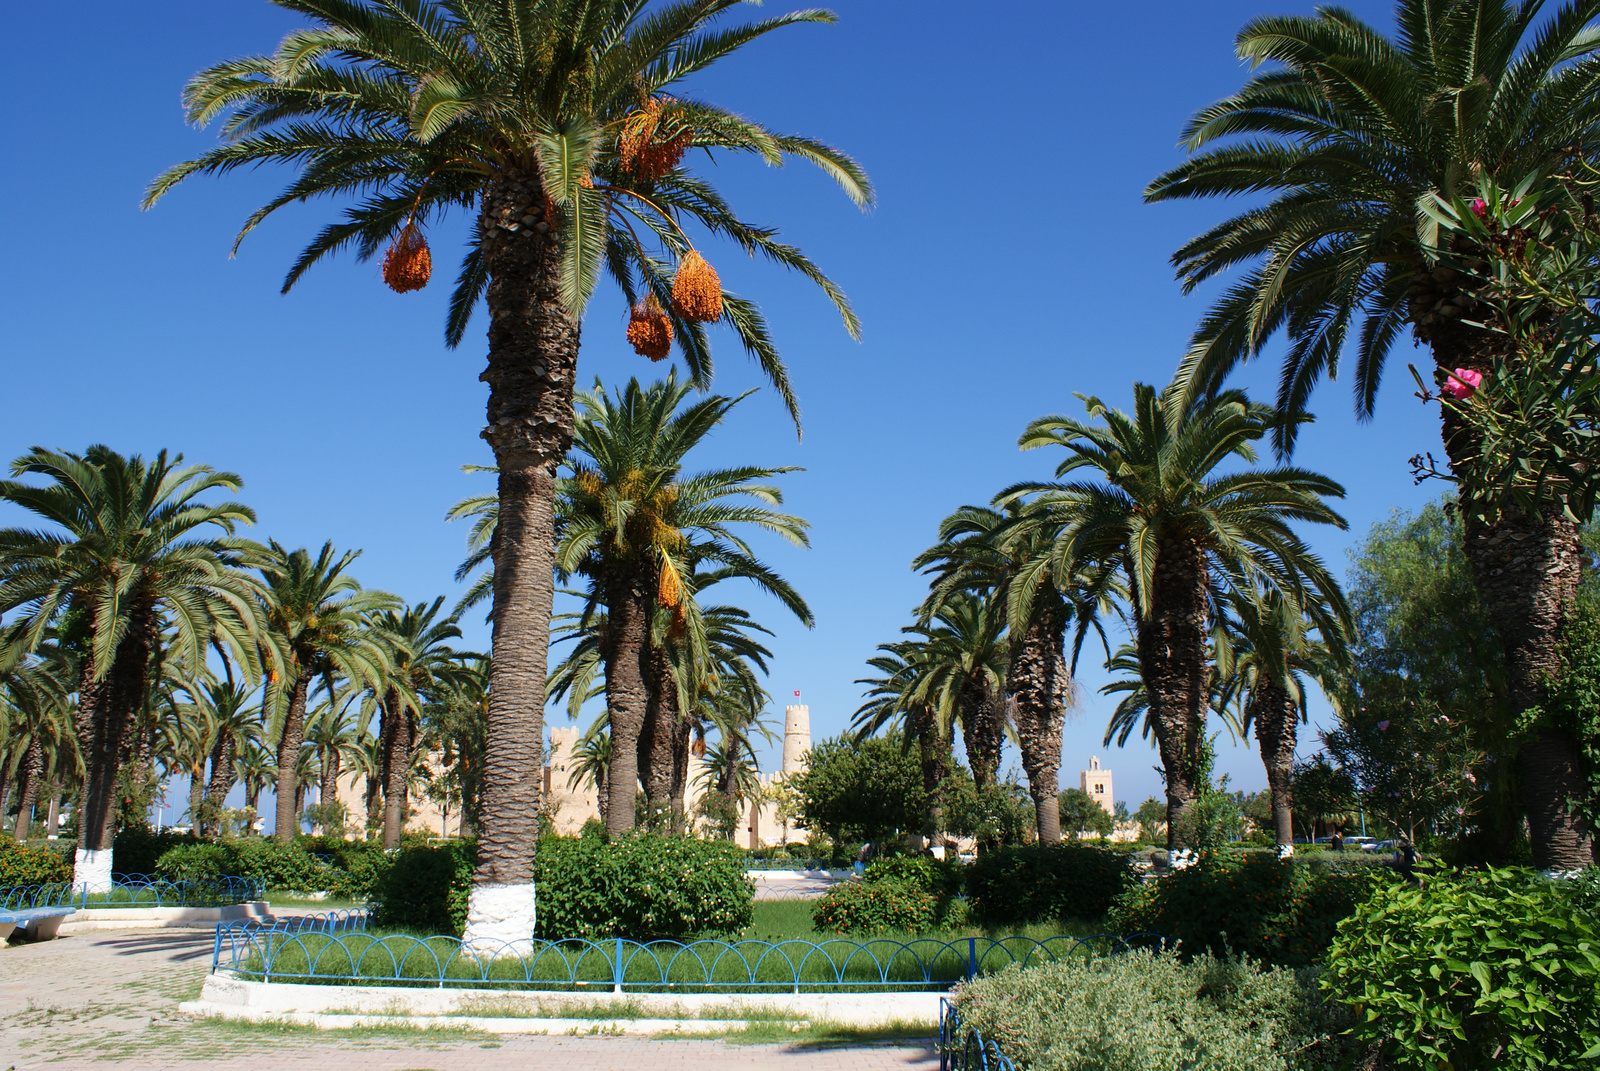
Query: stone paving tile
x=108 y=1000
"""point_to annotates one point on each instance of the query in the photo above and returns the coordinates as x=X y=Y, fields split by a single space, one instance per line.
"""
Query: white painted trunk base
x=91 y=870
x=500 y=920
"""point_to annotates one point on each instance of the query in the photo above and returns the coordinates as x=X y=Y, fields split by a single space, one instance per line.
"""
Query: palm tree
x=34 y=716
x=256 y=768
x=131 y=549
x=898 y=699
x=233 y=722
x=333 y=732
x=591 y=764
x=317 y=624
x=1272 y=647
x=423 y=668
x=551 y=120
x=984 y=550
x=1177 y=530
x=630 y=520
x=1349 y=134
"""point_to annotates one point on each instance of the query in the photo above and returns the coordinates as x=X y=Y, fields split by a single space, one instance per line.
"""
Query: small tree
x=1081 y=814
x=869 y=790
x=720 y=814
x=1321 y=790
x=1152 y=815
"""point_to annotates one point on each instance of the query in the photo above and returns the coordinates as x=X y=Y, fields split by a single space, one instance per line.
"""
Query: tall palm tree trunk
x=627 y=668
x=1526 y=571
x=935 y=768
x=533 y=355
x=1172 y=647
x=396 y=728
x=982 y=729
x=106 y=709
x=683 y=735
x=221 y=780
x=1040 y=683
x=287 y=822
x=1277 y=721
x=197 y=795
x=328 y=790
x=32 y=781
x=658 y=743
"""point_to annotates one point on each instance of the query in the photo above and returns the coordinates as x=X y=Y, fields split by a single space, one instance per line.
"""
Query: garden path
x=110 y=999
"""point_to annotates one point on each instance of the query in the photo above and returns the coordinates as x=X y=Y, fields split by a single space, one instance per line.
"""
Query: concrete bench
x=38 y=923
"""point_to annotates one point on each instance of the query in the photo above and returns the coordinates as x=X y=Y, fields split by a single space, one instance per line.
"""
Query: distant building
x=1096 y=784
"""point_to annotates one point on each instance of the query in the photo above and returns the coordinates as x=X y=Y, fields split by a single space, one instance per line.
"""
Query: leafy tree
x=1177 y=531
x=551 y=120
x=1152 y=815
x=130 y=545
x=860 y=790
x=1322 y=790
x=1350 y=134
x=1081 y=814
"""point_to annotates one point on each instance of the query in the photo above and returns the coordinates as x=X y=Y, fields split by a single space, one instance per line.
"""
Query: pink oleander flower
x=1480 y=207
x=1461 y=383
x=1383 y=727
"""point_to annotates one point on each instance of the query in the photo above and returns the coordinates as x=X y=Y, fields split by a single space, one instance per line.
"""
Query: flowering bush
x=1277 y=912
x=878 y=907
x=23 y=865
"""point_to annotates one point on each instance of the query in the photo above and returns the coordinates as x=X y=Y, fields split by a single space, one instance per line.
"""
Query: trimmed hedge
x=1278 y=912
x=642 y=887
x=351 y=870
x=136 y=849
x=1046 y=883
x=21 y=864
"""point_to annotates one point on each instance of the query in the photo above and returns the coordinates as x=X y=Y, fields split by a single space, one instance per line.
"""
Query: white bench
x=38 y=923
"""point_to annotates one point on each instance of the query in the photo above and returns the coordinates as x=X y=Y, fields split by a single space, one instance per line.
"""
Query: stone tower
x=1096 y=784
x=796 y=737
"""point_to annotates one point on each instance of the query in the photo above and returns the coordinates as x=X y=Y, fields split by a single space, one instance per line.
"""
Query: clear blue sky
x=1010 y=263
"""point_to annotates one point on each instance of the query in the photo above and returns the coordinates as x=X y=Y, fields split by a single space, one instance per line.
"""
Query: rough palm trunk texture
x=982 y=729
x=32 y=781
x=1277 y=719
x=287 y=821
x=658 y=742
x=103 y=720
x=627 y=658
x=1172 y=646
x=1041 y=685
x=396 y=742
x=533 y=354
x=221 y=780
x=682 y=739
x=197 y=795
x=935 y=768
x=1526 y=571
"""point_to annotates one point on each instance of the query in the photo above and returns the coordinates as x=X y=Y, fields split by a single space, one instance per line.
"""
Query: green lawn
x=300 y=902
x=783 y=920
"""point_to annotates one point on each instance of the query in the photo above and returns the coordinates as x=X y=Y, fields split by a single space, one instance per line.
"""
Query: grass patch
x=815 y=1035
x=249 y=1028
x=784 y=920
x=301 y=902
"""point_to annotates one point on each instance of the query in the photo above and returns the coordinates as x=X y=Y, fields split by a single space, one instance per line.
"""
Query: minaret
x=796 y=737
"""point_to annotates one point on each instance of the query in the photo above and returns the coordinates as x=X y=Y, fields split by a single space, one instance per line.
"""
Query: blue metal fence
x=965 y=1049
x=619 y=965
x=135 y=890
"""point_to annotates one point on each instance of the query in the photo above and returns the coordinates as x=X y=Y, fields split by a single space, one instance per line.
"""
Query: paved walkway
x=109 y=999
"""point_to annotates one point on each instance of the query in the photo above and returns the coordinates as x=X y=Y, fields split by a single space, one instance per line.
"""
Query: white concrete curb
x=184 y=918
x=341 y=1005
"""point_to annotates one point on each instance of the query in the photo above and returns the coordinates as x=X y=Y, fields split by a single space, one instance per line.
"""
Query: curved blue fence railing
x=966 y=1049
x=619 y=965
x=135 y=890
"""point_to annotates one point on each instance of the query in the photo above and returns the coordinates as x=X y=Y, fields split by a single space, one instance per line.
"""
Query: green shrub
x=275 y=865
x=1033 y=883
x=855 y=907
x=923 y=872
x=1486 y=969
x=195 y=862
x=425 y=889
x=136 y=848
x=1278 y=912
x=1155 y=1012
x=642 y=887
x=21 y=864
